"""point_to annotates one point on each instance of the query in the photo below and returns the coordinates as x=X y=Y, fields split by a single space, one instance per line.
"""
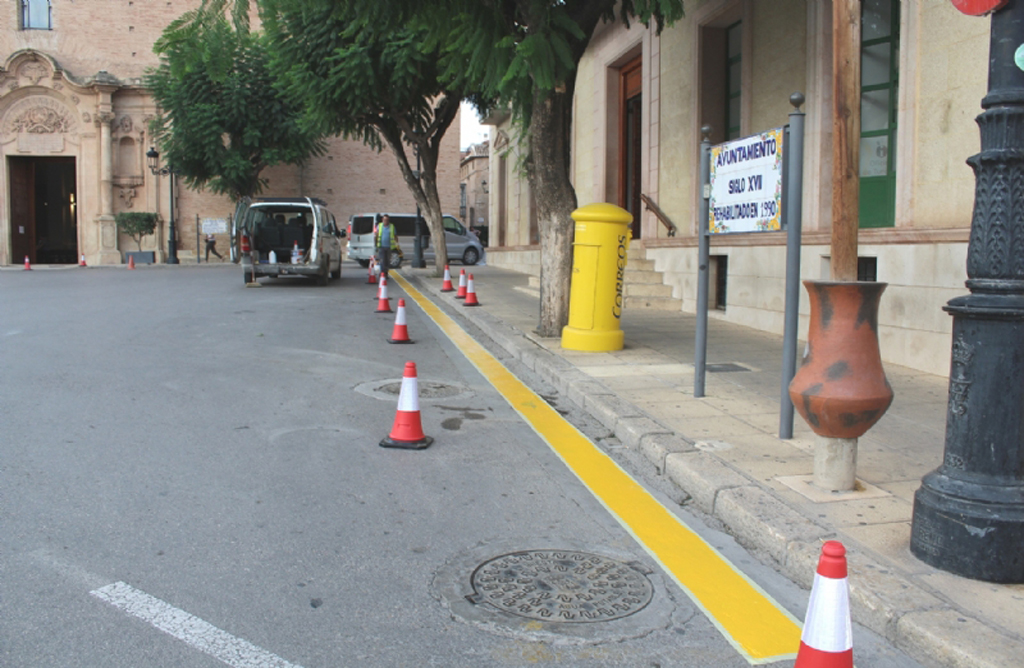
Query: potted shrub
x=137 y=224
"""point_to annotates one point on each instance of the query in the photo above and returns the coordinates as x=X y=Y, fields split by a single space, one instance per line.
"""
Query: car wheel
x=363 y=263
x=396 y=261
x=324 y=276
x=471 y=256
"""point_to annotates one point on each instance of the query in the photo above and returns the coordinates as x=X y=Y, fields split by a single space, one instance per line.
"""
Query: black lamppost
x=153 y=160
x=969 y=513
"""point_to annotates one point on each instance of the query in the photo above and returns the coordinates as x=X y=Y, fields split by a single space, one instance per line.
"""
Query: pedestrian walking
x=386 y=242
x=211 y=247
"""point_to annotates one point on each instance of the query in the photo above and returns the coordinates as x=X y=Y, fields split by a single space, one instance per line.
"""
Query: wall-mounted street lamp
x=153 y=160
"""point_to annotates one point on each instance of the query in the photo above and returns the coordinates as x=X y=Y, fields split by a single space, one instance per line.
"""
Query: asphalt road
x=190 y=476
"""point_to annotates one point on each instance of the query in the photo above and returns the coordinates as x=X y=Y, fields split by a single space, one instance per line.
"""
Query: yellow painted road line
x=757 y=626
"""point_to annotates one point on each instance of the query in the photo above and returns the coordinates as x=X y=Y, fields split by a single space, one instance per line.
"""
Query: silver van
x=288 y=236
x=463 y=245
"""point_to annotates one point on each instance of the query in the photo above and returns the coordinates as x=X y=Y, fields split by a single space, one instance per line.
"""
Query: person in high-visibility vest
x=385 y=239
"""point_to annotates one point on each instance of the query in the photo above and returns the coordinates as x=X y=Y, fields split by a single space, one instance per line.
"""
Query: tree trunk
x=555 y=197
x=424 y=191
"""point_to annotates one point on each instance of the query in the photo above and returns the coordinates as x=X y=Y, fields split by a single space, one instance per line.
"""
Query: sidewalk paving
x=724 y=454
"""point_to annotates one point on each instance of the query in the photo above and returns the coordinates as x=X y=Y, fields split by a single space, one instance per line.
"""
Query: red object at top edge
x=832 y=563
x=979 y=7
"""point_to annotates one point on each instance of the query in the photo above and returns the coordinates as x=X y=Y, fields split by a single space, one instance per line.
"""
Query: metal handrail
x=659 y=214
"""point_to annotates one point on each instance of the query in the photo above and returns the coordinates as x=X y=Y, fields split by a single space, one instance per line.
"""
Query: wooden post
x=845 y=138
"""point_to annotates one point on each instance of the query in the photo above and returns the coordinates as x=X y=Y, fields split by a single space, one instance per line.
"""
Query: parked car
x=288 y=236
x=462 y=244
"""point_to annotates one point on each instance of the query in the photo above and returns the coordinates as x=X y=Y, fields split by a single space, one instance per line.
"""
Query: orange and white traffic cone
x=407 y=431
x=446 y=286
x=81 y=262
x=131 y=261
x=400 y=334
x=827 y=638
x=470 y=293
x=383 y=303
x=461 y=294
x=380 y=285
x=28 y=265
x=371 y=276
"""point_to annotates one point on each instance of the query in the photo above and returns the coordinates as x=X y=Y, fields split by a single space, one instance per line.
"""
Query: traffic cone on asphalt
x=370 y=279
x=28 y=265
x=383 y=304
x=470 y=293
x=400 y=334
x=131 y=261
x=380 y=284
x=461 y=294
x=407 y=431
x=81 y=262
x=827 y=638
x=446 y=286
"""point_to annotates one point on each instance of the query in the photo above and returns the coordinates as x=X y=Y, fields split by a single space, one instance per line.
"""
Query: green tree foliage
x=379 y=83
x=136 y=224
x=222 y=118
x=524 y=54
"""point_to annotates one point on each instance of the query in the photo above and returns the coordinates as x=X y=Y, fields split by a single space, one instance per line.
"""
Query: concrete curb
x=926 y=627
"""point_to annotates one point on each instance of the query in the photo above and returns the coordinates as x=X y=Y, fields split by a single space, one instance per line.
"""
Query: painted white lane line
x=188 y=628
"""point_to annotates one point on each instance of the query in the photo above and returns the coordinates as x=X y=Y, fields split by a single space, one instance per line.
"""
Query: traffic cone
x=81 y=262
x=383 y=304
x=461 y=294
x=827 y=638
x=407 y=431
x=470 y=294
x=131 y=261
x=446 y=286
x=380 y=284
x=370 y=278
x=28 y=265
x=400 y=334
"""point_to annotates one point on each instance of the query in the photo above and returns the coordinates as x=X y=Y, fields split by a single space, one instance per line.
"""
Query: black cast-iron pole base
x=969 y=513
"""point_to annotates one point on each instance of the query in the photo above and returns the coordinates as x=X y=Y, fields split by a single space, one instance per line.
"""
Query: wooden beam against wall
x=845 y=138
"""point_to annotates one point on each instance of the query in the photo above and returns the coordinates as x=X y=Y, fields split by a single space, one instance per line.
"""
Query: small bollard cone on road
x=81 y=262
x=383 y=303
x=370 y=279
x=400 y=334
x=131 y=261
x=470 y=293
x=28 y=265
x=461 y=294
x=380 y=285
x=827 y=638
x=407 y=431
x=446 y=285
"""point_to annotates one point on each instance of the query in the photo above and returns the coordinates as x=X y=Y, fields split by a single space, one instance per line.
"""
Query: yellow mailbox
x=598 y=267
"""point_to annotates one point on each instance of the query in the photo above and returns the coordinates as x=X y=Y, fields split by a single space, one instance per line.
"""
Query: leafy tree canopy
x=222 y=118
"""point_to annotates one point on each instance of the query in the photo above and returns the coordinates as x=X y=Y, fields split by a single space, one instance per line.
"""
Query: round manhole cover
x=562 y=586
x=427 y=389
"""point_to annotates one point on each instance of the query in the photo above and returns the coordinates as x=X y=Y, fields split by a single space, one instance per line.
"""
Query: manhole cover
x=558 y=592
x=388 y=389
x=427 y=389
x=563 y=586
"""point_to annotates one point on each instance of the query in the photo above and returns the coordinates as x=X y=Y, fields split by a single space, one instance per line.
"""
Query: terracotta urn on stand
x=841 y=389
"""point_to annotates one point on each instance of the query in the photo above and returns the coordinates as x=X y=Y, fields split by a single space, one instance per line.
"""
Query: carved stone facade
x=75 y=115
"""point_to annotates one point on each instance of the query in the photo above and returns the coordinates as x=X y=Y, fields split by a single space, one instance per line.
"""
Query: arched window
x=36 y=15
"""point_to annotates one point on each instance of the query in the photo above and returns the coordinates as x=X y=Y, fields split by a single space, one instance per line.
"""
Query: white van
x=462 y=244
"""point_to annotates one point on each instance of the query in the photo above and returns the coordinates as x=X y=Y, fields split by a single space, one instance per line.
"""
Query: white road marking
x=188 y=628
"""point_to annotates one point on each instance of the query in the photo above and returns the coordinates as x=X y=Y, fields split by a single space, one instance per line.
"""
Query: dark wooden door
x=23 y=204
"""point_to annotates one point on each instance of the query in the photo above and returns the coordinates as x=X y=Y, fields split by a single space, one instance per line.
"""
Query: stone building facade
x=641 y=99
x=475 y=186
x=74 y=120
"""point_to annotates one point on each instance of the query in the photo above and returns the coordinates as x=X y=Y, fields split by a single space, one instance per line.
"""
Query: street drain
x=560 y=585
x=560 y=593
